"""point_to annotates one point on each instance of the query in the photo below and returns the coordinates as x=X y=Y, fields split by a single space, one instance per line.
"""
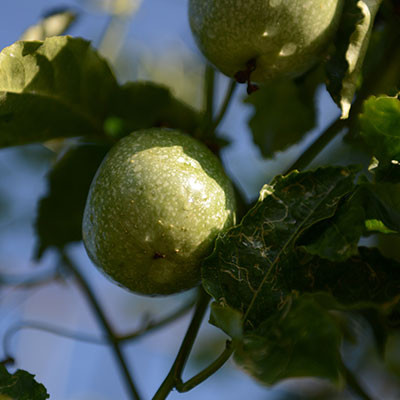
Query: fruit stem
x=208 y=371
x=175 y=373
x=111 y=336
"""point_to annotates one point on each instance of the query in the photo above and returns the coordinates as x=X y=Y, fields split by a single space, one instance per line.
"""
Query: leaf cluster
x=286 y=279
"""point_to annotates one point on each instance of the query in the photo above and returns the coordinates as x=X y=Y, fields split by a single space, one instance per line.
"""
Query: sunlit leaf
x=375 y=225
x=51 y=89
x=20 y=386
x=352 y=42
x=380 y=127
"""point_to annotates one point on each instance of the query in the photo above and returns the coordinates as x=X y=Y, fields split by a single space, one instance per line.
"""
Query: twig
x=111 y=336
x=224 y=107
x=55 y=330
x=152 y=326
x=208 y=371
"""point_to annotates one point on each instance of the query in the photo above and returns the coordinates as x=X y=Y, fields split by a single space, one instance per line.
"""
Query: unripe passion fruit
x=154 y=208
x=280 y=37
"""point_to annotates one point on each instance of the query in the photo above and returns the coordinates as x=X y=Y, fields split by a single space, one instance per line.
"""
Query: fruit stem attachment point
x=244 y=76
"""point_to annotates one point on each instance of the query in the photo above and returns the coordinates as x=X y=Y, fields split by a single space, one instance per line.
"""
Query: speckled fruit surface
x=154 y=208
x=284 y=37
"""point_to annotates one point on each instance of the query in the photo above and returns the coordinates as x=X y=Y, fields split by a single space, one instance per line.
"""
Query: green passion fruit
x=154 y=209
x=267 y=38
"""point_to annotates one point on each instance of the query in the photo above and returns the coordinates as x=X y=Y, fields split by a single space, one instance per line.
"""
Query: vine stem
x=111 y=336
x=176 y=370
x=225 y=105
x=152 y=326
x=208 y=371
x=376 y=81
x=318 y=145
x=209 y=84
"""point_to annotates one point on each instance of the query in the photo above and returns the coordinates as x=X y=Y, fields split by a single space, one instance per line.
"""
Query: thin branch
x=175 y=372
x=111 y=336
x=53 y=329
x=225 y=105
x=152 y=326
x=208 y=371
x=209 y=80
x=318 y=145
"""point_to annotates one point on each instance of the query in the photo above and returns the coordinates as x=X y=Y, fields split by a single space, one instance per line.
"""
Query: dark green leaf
x=387 y=172
x=20 y=386
x=337 y=238
x=380 y=127
x=228 y=319
x=352 y=41
x=252 y=265
x=366 y=279
x=51 y=89
x=383 y=204
x=60 y=212
x=139 y=105
x=302 y=340
x=272 y=129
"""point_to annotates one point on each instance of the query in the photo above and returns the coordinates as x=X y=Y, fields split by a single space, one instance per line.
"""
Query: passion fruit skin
x=283 y=38
x=154 y=208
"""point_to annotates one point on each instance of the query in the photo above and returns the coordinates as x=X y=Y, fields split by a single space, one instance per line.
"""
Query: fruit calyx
x=244 y=76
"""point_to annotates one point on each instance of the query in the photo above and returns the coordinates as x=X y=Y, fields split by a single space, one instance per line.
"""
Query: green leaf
x=388 y=172
x=337 y=238
x=228 y=319
x=251 y=267
x=20 y=386
x=352 y=43
x=51 y=89
x=139 y=105
x=384 y=204
x=368 y=279
x=376 y=226
x=289 y=344
x=60 y=212
x=380 y=126
x=55 y=23
x=272 y=129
